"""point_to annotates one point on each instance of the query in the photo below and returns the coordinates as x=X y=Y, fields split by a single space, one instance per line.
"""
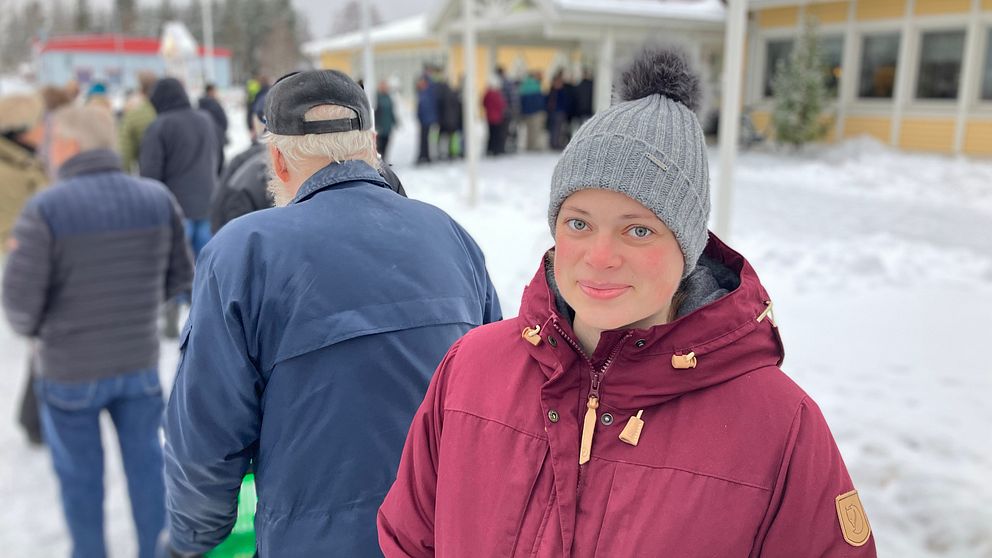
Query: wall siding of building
x=762 y=121
x=829 y=12
x=927 y=134
x=941 y=7
x=340 y=61
x=407 y=47
x=880 y=9
x=777 y=17
x=978 y=138
x=879 y=128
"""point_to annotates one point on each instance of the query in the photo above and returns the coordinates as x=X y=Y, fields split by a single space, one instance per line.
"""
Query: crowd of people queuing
x=520 y=114
x=102 y=215
x=346 y=344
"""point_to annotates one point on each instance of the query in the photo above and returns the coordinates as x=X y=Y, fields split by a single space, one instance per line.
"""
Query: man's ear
x=279 y=166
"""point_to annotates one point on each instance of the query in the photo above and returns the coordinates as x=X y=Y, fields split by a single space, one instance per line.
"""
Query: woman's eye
x=640 y=232
x=576 y=224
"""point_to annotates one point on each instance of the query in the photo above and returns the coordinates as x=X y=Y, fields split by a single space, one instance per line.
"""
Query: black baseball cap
x=294 y=94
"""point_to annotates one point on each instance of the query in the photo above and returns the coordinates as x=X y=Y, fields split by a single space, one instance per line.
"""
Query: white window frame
x=766 y=36
x=756 y=89
x=868 y=105
x=934 y=107
x=979 y=105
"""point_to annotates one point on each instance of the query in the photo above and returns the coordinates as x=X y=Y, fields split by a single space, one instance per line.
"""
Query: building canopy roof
x=493 y=15
x=544 y=19
x=399 y=31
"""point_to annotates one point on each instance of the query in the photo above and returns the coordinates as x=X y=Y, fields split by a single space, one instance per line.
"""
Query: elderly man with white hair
x=314 y=331
x=95 y=256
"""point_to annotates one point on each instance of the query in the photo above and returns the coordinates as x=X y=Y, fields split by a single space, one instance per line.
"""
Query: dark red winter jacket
x=733 y=458
x=495 y=105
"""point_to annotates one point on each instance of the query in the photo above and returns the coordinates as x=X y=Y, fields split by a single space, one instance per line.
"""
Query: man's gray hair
x=356 y=145
x=91 y=126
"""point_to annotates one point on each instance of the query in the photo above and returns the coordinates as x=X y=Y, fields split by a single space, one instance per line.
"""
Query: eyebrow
x=575 y=209
x=637 y=216
x=626 y=216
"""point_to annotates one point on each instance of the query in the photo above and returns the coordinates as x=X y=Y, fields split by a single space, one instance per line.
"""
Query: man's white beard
x=280 y=194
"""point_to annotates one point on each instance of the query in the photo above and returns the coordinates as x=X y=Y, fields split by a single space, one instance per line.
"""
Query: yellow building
x=533 y=35
x=916 y=74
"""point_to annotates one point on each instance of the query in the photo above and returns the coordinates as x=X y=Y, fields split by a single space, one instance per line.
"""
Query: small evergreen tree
x=799 y=92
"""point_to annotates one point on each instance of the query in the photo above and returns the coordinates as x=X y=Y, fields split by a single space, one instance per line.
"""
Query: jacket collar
x=87 y=162
x=339 y=173
x=729 y=337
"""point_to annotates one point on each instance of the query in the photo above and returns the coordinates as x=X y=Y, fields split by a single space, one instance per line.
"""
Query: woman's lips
x=602 y=291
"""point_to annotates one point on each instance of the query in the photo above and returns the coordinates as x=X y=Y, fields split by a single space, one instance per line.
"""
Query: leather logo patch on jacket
x=853 y=521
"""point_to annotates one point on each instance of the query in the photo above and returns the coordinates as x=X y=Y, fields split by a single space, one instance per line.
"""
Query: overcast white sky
x=320 y=12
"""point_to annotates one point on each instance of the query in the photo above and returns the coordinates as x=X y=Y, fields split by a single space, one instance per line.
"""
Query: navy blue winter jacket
x=428 y=109
x=313 y=333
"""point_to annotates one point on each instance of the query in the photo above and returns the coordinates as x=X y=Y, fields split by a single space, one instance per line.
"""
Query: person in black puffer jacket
x=180 y=149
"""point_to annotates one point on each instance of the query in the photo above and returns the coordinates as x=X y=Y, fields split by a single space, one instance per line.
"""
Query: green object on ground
x=241 y=542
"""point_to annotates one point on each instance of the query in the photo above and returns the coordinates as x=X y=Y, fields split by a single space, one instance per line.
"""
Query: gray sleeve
x=27 y=275
x=180 y=275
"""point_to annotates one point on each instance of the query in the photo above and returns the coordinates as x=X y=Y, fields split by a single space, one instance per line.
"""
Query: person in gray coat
x=95 y=255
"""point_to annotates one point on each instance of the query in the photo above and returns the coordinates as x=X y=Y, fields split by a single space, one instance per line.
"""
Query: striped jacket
x=96 y=255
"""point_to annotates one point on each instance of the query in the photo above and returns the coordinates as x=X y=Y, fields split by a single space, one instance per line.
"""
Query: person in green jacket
x=22 y=174
x=136 y=120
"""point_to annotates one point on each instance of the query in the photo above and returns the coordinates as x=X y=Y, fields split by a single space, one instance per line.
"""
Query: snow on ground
x=880 y=266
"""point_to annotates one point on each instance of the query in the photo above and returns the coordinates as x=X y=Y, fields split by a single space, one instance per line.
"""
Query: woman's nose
x=602 y=253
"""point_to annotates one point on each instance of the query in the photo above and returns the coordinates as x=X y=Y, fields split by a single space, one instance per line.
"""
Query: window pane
x=940 y=65
x=831 y=53
x=879 y=54
x=987 y=74
x=777 y=50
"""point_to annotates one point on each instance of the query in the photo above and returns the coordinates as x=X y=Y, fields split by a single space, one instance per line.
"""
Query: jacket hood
x=728 y=337
x=169 y=94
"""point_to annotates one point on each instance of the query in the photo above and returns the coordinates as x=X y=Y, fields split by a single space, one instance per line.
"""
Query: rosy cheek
x=655 y=257
x=566 y=251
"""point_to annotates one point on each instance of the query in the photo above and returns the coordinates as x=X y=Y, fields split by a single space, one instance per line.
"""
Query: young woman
x=635 y=407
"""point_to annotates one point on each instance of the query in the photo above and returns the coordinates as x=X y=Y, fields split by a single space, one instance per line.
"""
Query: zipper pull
x=632 y=432
x=532 y=335
x=588 y=429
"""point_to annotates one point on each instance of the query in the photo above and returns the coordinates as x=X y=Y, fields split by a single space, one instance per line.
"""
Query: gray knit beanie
x=649 y=146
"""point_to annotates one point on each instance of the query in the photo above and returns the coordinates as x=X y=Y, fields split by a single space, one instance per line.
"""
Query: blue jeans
x=198 y=234
x=70 y=421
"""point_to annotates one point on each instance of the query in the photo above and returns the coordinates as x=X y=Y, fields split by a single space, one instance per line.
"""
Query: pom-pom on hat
x=649 y=146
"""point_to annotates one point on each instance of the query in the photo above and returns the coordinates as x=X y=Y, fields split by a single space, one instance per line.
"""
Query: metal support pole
x=604 y=71
x=470 y=102
x=368 y=63
x=730 y=112
x=208 y=39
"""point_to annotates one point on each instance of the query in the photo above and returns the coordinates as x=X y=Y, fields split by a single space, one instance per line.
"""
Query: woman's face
x=616 y=263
